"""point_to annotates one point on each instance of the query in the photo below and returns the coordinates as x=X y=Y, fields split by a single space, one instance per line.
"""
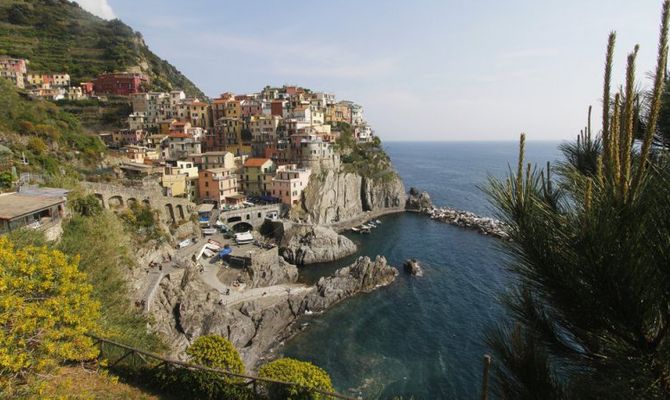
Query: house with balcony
x=179 y=146
x=288 y=183
x=255 y=176
x=218 y=186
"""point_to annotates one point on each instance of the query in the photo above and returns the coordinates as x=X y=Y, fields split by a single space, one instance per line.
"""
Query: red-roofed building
x=120 y=84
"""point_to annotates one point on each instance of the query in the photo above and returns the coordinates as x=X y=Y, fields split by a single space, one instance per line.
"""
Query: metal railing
x=135 y=357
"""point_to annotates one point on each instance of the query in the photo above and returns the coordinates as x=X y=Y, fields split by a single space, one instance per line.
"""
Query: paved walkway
x=269 y=293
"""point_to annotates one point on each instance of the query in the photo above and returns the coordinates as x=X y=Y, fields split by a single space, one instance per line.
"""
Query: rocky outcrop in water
x=308 y=244
x=334 y=196
x=412 y=267
x=186 y=308
x=418 y=200
x=364 y=275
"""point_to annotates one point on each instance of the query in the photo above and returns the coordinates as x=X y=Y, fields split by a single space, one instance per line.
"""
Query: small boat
x=209 y=231
x=354 y=229
x=378 y=222
x=184 y=243
x=208 y=253
x=244 y=238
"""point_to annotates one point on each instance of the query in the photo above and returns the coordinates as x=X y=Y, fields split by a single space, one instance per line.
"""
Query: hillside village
x=235 y=151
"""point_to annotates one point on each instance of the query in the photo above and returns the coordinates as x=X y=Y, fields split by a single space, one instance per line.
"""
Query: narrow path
x=269 y=293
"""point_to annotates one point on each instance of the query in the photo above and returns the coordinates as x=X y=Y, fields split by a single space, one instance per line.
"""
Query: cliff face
x=337 y=196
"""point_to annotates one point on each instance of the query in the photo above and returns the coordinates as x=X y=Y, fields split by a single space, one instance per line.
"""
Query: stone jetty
x=469 y=220
x=420 y=202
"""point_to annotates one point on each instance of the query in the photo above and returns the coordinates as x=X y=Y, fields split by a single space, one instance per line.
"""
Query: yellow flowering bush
x=215 y=351
x=305 y=374
x=45 y=310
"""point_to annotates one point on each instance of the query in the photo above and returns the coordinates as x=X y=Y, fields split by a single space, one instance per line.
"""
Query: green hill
x=50 y=140
x=59 y=36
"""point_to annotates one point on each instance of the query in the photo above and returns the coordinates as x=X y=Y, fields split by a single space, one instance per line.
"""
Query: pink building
x=250 y=108
x=16 y=65
x=289 y=183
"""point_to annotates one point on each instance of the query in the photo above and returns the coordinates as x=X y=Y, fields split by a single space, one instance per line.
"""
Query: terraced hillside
x=57 y=35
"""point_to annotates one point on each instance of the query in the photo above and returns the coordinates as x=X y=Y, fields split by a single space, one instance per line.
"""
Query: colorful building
x=289 y=183
x=218 y=185
x=120 y=84
x=254 y=175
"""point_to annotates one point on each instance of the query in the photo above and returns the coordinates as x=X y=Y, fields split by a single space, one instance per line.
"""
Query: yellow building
x=175 y=185
x=254 y=175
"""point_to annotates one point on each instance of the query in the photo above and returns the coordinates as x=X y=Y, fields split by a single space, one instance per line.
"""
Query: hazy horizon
x=463 y=70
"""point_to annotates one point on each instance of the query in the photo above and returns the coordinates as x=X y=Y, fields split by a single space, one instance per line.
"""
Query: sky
x=422 y=69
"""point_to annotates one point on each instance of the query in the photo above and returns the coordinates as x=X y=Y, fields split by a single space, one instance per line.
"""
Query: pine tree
x=591 y=312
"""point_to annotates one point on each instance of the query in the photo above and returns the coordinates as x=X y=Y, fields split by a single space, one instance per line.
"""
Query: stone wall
x=117 y=197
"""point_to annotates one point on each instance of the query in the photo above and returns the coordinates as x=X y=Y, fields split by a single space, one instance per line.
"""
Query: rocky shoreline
x=186 y=307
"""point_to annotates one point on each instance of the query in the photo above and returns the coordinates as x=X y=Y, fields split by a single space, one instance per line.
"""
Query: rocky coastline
x=304 y=244
x=186 y=307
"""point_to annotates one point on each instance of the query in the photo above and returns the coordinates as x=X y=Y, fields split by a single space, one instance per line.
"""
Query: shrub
x=46 y=308
x=215 y=351
x=211 y=351
x=305 y=374
x=86 y=205
x=37 y=145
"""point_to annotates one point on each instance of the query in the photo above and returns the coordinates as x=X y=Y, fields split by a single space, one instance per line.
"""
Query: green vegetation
x=51 y=140
x=106 y=255
x=591 y=315
x=58 y=36
x=143 y=222
x=215 y=351
x=98 y=115
x=46 y=308
x=368 y=160
x=306 y=374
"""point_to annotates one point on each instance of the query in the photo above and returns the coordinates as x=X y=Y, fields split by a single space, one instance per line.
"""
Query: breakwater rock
x=418 y=201
x=308 y=244
x=469 y=220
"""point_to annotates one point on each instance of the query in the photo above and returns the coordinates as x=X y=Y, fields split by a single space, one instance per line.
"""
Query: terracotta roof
x=256 y=162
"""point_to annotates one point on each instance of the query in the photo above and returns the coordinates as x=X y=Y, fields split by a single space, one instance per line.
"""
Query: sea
x=422 y=337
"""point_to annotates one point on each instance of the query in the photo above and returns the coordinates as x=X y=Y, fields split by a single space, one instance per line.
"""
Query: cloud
x=101 y=8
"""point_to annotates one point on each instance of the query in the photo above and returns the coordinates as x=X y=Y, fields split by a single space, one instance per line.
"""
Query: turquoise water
x=421 y=337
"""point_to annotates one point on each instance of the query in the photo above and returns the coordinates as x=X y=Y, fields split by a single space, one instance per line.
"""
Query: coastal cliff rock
x=418 y=200
x=364 y=275
x=186 y=308
x=336 y=196
x=309 y=244
x=269 y=269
